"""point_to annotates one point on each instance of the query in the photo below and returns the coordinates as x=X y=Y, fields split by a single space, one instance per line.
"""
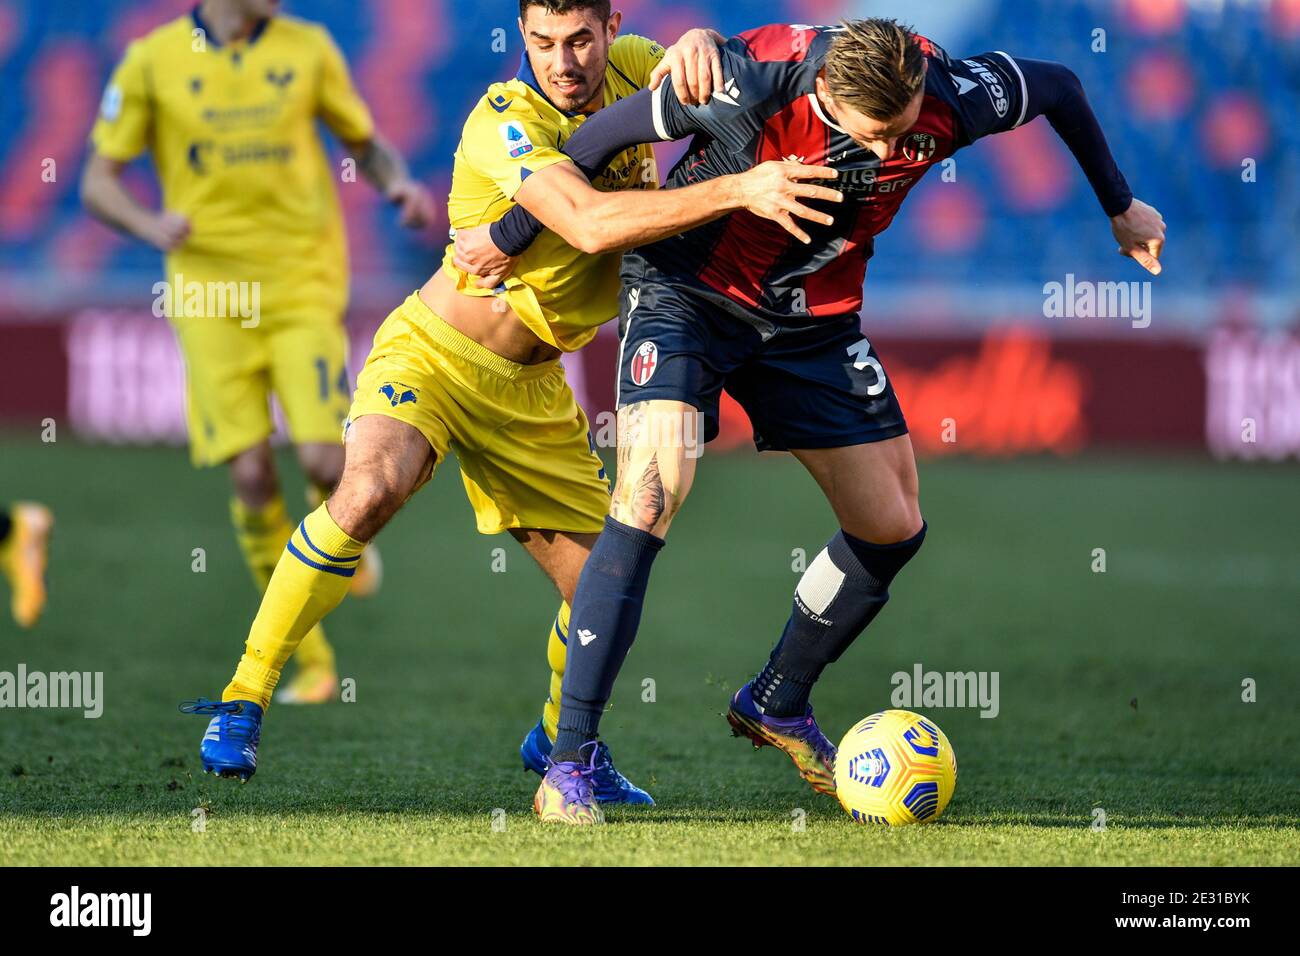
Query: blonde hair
x=875 y=66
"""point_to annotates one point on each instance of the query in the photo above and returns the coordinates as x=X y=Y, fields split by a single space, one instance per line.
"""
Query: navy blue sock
x=839 y=594
x=602 y=627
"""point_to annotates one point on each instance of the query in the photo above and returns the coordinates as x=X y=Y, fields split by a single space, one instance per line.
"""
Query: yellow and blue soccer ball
x=895 y=767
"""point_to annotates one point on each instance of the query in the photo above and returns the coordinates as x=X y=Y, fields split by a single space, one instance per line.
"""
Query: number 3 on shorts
x=862 y=359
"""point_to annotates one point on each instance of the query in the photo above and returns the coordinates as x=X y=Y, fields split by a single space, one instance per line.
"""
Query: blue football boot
x=610 y=786
x=229 y=745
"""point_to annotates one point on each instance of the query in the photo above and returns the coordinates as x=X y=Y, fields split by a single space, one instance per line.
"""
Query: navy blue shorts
x=822 y=386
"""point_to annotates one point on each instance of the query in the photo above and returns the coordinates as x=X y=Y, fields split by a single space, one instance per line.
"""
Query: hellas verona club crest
x=644 y=362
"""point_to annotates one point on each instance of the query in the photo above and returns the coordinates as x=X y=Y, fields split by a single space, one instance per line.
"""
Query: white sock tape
x=820 y=583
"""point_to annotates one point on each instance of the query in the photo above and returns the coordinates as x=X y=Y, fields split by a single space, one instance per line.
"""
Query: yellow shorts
x=524 y=446
x=231 y=372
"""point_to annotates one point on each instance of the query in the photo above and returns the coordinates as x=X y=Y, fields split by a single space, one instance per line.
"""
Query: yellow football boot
x=313 y=684
x=369 y=575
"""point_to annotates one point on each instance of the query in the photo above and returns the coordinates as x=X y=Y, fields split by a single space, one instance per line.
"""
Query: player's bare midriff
x=487 y=320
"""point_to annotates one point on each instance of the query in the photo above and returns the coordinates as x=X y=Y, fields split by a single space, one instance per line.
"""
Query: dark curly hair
x=565 y=6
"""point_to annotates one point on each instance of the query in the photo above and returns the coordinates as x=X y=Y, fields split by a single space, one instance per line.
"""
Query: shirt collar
x=527 y=75
x=821 y=114
x=200 y=24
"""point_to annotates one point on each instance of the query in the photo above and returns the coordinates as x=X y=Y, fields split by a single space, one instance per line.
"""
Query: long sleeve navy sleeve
x=1026 y=89
x=1056 y=93
x=607 y=133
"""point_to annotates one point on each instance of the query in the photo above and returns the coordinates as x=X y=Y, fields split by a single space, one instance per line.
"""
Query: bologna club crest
x=918 y=147
x=644 y=362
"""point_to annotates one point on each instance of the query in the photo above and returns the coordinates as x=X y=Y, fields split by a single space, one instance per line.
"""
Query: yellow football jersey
x=561 y=294
x=232 y=129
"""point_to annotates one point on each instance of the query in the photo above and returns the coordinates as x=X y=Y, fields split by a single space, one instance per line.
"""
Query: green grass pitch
x=1119 y=690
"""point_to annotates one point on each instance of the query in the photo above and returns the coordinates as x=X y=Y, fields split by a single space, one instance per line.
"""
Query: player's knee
x=909 y=521
x=365 y=501
x=652 y=501
x=252 y=474
x=881 y=560
x=899 y=522
x=904 y=529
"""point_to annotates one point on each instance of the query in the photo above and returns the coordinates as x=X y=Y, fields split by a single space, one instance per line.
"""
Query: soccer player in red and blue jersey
x=769 y=311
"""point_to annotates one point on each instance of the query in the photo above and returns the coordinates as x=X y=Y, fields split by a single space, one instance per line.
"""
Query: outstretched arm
x=601 y=138
x=562 y=198
x=1054 y=91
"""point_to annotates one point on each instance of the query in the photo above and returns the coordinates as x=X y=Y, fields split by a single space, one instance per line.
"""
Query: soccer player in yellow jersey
x=476 y=370
x=24 y=547
x=226 y=100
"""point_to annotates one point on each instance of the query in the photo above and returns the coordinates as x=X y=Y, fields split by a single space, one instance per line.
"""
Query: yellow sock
x=262 y=534
x=310 y=580
x=556 y=652
x=314 y=650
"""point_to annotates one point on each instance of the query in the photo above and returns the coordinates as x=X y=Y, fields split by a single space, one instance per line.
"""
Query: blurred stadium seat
x=1198 y=98
x=1186 y=91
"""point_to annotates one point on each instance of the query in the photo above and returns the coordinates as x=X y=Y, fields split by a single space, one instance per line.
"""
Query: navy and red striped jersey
x=767 y=110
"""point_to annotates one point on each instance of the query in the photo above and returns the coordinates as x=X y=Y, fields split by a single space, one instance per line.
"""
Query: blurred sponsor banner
x=1197 y=98
x=126 y=378
x=1253 y=407
x=1013 y=390
x=33 y=372
x=117 y=376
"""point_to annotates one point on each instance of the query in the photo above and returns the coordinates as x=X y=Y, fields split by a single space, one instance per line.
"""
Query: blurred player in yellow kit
x=24 y=546
x=226 y=100
x=472 y=363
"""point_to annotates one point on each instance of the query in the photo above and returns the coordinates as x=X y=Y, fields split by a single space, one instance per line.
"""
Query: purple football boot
x=800 y=738
x=567 y=794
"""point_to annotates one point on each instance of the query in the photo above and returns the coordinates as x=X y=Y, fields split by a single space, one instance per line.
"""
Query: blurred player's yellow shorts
x=231 y=372
x=523 y=444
